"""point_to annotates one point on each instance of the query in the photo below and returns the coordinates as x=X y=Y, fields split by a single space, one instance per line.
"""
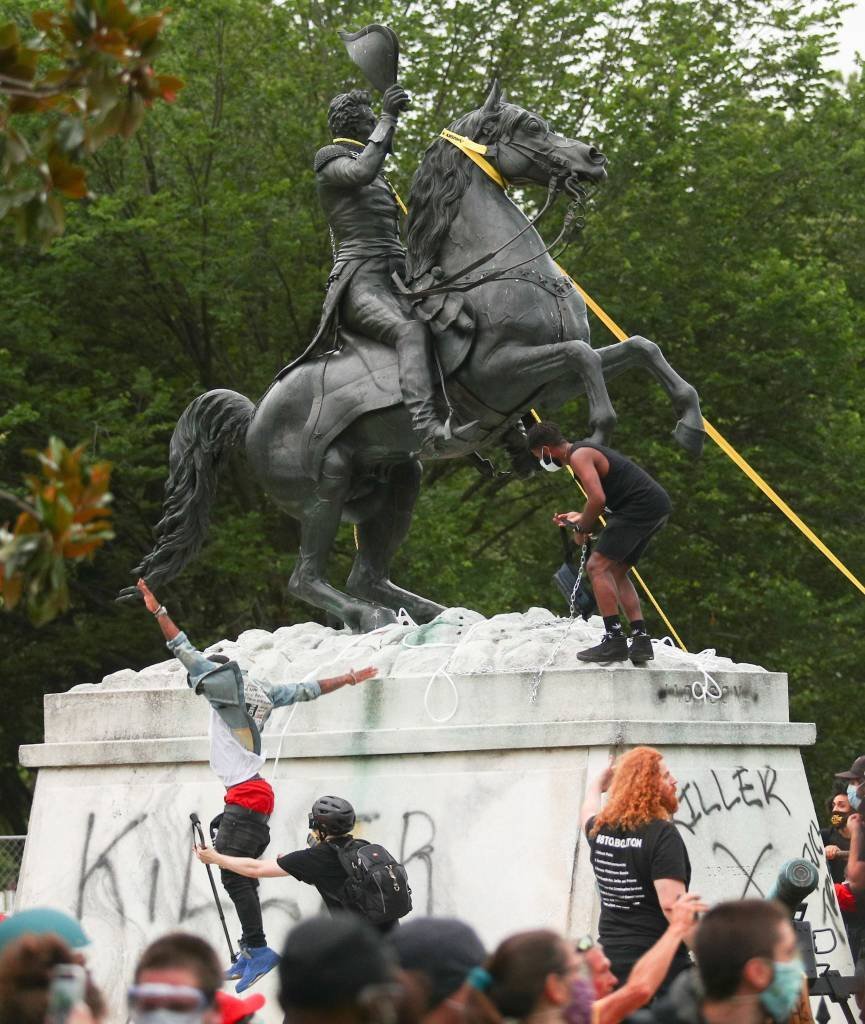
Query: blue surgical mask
x=548 y=461
x=853 y=795
x=780 y=998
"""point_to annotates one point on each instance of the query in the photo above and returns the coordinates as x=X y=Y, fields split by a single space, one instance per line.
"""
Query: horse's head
x=516 y=143
x=525 y=149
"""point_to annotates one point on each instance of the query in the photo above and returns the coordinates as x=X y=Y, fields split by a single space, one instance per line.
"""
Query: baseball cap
x=327 y=962
x=443 y=949
x=857 y=770
x=42 y=921
x=232 y=1009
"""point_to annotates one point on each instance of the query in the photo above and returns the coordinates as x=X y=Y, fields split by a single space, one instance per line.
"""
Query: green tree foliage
x=81 y=76
x=64 y=519
x=730 y=232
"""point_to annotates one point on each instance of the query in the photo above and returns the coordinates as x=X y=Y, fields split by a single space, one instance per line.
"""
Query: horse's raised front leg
x=379 y=535
x=542 y=364
x=640 y=352
x=319 y=522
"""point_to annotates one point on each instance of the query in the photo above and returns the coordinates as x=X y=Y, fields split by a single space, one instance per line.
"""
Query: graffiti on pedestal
x=104 y=868
x=715 y=808
x=115 y=879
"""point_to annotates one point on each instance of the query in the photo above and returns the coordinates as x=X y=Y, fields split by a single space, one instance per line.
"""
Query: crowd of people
x=661 y=955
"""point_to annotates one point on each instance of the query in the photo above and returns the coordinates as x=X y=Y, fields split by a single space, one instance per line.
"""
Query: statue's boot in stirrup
x=416 y=382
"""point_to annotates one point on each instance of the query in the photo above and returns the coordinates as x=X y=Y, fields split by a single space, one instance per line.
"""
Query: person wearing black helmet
x=240 y=708
x=331 y=821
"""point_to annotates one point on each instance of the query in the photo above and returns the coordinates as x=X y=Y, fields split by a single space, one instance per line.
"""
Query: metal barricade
x=11 y=853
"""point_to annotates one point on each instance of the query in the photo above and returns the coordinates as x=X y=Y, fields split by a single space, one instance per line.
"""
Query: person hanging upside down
x=240 y=706
x=638 y=508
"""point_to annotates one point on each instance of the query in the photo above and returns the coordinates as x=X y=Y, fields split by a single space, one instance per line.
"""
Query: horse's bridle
x=478 y=153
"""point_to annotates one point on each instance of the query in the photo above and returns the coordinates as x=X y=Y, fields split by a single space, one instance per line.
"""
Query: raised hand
x=150 y=601
x=395 y=101
x=683 y=914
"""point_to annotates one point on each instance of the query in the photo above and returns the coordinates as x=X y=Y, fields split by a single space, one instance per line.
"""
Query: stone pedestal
x=449 y=765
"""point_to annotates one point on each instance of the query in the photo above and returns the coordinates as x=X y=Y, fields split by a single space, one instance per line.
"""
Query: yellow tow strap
x=475 y=152
x=741 y=462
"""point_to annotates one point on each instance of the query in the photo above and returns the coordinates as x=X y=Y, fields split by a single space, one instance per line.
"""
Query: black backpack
x=376 y=885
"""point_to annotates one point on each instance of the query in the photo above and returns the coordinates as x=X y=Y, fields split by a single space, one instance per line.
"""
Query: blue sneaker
x=261 y=959
x=238 y=965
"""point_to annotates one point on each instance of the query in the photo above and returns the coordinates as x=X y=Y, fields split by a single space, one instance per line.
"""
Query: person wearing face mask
x=638 y=507
x=176 y=982
x=836 y=838
x=836 y=846
x=534 y=977
x=748 y=970
x=854 y=777
x=240 y=707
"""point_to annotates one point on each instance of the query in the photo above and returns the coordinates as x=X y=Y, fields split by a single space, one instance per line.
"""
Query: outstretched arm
x=245 y=866
x=282 y=694
x=192 y=660
x=651 y=969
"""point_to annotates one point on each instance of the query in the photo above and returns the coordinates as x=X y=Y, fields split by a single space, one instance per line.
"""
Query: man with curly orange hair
x=640 y=861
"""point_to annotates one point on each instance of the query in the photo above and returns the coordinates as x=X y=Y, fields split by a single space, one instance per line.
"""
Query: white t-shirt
x=231 y=762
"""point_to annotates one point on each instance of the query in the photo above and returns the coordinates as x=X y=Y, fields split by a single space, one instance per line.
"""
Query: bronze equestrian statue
x=362 y=213
x=336 y=436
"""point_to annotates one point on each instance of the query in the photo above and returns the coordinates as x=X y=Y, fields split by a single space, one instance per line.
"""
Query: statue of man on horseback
x=335 y=437
x=362 y=211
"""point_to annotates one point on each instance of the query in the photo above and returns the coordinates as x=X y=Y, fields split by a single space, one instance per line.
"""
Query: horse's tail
x=208 y=428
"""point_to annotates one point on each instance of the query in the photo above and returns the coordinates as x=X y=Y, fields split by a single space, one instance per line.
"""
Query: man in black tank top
x=637 y=507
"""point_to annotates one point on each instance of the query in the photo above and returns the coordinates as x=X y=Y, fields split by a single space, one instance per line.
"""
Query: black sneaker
x=614 y=647
x=640 y=648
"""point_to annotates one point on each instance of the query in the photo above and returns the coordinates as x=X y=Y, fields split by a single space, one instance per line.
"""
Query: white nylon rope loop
x=705 y=689
x=441 y=670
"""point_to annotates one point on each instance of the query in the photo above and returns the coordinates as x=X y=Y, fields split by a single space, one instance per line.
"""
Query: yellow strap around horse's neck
x=387 y=180
x=475 y=152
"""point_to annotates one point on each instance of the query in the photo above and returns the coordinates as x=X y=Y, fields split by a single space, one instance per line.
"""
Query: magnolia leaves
x=98 y=84
x=64 y=518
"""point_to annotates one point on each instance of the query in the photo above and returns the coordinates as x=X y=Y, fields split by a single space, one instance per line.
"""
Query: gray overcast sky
x=851 y=38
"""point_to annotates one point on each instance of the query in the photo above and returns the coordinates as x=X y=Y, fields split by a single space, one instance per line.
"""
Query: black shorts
x=625 y=540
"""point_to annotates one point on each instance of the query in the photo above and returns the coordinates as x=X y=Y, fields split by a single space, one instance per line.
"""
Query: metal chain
x=536 y=678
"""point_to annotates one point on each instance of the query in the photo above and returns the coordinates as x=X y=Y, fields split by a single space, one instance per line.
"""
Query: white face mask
x=547 y=461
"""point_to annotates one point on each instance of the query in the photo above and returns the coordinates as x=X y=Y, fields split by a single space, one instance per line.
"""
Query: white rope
x=441 y=670
x=705 y=689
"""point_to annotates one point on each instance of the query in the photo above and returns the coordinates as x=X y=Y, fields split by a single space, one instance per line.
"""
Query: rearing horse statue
x=331 y=440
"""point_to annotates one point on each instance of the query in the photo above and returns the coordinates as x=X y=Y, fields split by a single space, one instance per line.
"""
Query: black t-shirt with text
x=626 y=866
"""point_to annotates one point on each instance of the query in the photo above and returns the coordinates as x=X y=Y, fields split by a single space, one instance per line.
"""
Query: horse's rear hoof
x=689 y=438
x=375 y=617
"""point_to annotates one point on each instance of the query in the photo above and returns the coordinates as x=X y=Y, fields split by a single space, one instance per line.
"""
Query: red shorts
x=255 y=794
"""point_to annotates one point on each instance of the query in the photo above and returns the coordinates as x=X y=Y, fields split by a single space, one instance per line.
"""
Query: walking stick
x=196 y=827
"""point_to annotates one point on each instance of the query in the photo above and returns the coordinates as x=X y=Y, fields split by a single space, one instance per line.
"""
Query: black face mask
x=839 y=819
